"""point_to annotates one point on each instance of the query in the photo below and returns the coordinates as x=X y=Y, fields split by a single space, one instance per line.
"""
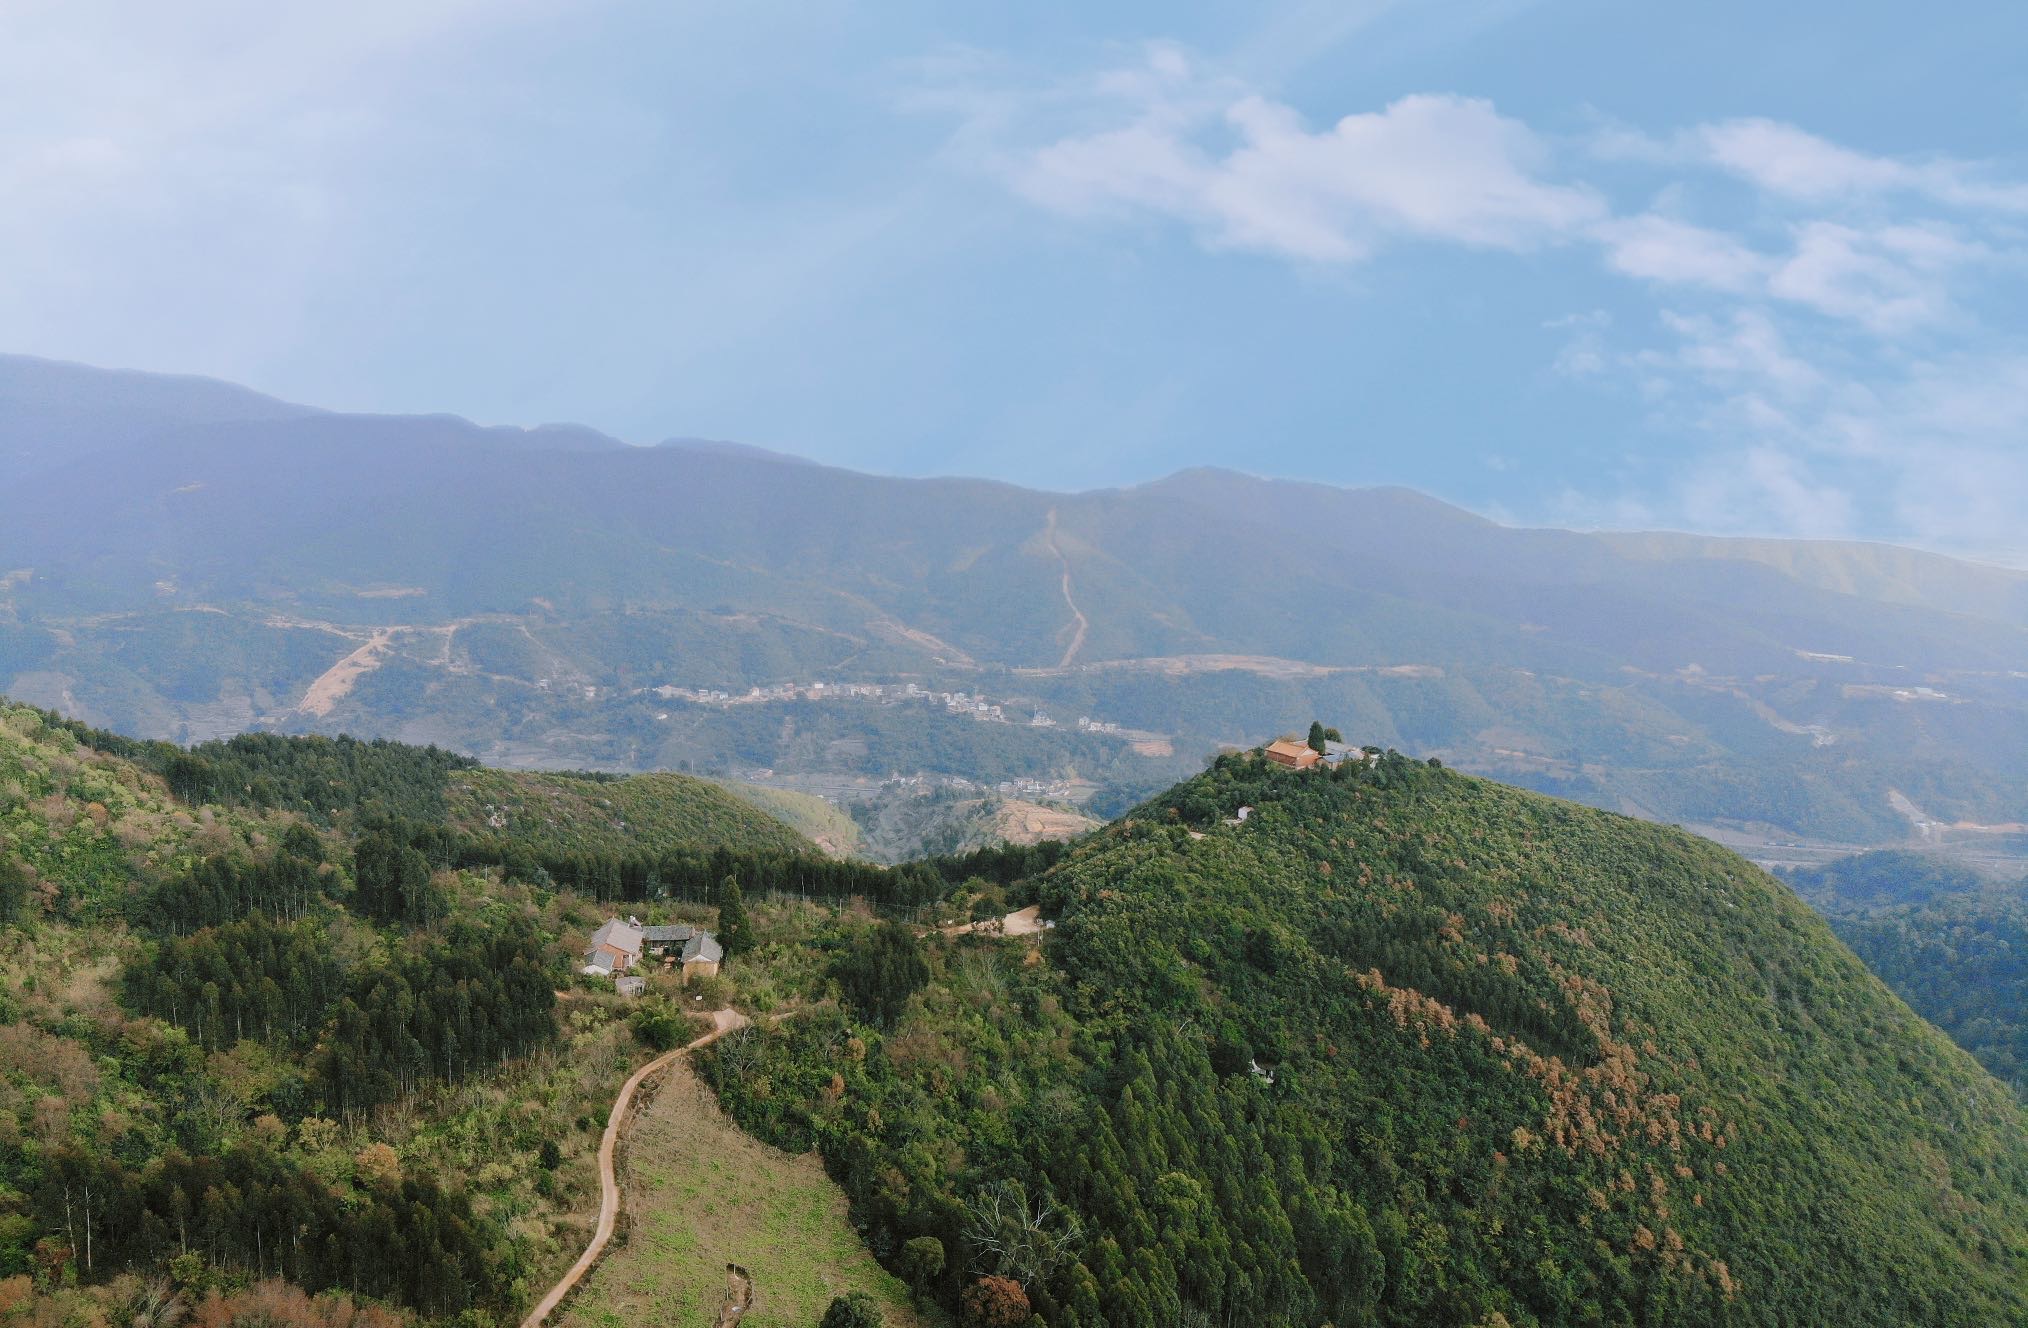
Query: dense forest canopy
x=193 y=1138
x=1405 y=1047
x=1884 y=878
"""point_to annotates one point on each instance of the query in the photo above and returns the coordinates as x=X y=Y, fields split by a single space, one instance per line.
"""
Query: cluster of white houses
x=620 y=945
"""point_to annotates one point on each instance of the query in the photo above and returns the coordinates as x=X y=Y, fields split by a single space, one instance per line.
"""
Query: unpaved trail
x=1082 y=623
x=723 y=1022
x=1021 y=922
x=336 y=683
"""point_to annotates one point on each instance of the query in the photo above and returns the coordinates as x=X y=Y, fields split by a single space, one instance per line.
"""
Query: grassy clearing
x=699 y=1194
x=831 y=827
x=571 y=814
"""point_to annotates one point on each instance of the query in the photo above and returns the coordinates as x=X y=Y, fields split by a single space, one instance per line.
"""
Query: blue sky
x=1734 y=268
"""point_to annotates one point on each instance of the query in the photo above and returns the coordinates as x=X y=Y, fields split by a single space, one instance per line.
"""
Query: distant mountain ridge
x=183 y=558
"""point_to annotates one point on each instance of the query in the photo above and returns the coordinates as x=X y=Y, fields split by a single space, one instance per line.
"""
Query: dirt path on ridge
x=738 y=1296
x=723 y=1022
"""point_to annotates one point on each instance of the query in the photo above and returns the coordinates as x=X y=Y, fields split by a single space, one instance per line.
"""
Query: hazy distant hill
x=1950 y=941
x=51 y=412
x=182 y=558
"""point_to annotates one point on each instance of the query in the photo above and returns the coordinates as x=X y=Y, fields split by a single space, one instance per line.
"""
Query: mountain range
x=182 y=558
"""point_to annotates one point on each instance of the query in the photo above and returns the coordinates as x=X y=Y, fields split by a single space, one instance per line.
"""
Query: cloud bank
x=1814 y=317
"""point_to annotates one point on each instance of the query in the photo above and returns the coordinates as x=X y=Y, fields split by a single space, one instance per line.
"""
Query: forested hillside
x=207 y=1133
x=1396 y=1046
x=1403 y=1047
x=1949 y=941
x=280 y=1029
x=274 y=1022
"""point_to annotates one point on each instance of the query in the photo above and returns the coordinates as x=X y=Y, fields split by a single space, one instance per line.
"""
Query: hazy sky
x=1722 y=266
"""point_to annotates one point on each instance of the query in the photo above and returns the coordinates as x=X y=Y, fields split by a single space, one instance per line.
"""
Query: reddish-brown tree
x=994 y=1302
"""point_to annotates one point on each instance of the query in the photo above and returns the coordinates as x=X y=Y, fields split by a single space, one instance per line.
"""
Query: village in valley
x=978 y=707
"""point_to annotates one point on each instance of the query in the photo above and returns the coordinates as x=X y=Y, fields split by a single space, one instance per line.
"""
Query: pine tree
x=735 y=931
x=1317 y=736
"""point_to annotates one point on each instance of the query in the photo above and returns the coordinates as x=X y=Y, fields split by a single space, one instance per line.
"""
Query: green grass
x=701 y=1194
x=830 y=826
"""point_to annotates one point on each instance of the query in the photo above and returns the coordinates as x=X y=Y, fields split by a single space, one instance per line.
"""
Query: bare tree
x=739 y=1052
x=1014 y=1236
x=156 y=1304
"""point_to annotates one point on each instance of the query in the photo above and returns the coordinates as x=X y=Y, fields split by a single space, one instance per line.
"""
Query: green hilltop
x=575 y=812
x=1409 y=1047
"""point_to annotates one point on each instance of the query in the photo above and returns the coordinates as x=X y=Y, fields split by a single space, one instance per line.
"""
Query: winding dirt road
x=1082 y=623
x=723 y=1022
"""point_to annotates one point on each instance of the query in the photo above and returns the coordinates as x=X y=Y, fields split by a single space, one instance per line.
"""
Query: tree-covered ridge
x=206 y=1008
x=343 y=780
x=578 y=813
x=1410 y=1048
x=323 y=778
x=124 y=1142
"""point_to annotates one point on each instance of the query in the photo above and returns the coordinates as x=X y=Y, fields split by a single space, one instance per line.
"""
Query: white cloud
x=1815 y=368
x=1745 y=351
x=1764 y=489
x=1164 y=139
x=1248 y=173
x=1659 y=248
x=1785 y=160
x=1584 y=351
x=1925 y=449
x=1888 y=279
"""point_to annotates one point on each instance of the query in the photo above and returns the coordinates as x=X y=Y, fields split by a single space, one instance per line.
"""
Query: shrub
x=854 y=1310
x=658 y=1030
